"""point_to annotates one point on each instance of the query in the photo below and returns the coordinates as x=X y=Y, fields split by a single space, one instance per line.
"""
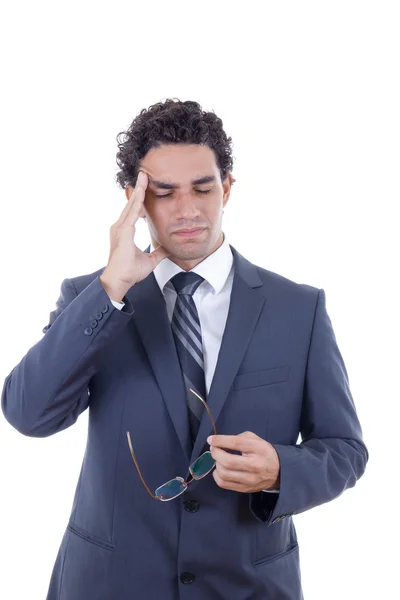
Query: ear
x=226 y=186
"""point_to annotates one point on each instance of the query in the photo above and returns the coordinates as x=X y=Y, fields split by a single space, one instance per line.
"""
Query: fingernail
x=209 y=439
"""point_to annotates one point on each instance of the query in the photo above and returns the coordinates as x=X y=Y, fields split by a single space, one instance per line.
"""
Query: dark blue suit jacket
x=279 y=373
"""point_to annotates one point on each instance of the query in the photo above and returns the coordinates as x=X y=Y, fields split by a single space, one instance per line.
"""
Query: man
x=169 y=346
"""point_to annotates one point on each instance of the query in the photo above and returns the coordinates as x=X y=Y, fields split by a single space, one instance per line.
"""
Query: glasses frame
x=180 y=479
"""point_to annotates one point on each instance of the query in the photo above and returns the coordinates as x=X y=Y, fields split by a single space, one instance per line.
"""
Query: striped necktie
x=187 y=334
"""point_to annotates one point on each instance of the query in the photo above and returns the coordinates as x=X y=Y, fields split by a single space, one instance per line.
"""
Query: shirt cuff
x=118 y=305
x=271 y=491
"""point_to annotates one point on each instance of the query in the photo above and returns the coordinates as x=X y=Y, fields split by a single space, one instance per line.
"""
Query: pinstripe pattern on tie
x=186 y=330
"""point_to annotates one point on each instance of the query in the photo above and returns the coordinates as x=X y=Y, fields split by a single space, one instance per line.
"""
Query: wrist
x=114 y=292
x=277 y=483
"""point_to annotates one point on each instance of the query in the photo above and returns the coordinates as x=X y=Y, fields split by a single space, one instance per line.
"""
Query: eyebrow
x=171 y=186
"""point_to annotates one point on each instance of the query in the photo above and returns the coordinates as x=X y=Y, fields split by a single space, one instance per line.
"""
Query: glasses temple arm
x=206 y=407
x=137 y=466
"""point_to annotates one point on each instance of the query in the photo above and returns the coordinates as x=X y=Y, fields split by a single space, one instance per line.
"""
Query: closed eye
x=198 y=191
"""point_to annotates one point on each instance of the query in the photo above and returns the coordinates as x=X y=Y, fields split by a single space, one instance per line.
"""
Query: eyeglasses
x=199 y=469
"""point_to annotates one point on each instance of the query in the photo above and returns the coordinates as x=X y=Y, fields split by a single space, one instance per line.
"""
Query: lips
x=189 y=233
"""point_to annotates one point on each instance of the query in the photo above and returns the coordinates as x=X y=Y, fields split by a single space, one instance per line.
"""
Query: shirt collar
x=214 y=269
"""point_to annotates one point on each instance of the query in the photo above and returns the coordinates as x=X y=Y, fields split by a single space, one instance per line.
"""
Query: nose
x=186 y=206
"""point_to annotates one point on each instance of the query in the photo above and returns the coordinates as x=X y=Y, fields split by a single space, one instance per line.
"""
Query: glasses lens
x=171 y=489
x=203 y=465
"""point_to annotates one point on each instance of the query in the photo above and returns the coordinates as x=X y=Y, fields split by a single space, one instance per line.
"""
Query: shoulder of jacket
x=283 y=285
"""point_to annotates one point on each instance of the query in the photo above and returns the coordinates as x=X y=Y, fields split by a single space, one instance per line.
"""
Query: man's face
x=174 y=201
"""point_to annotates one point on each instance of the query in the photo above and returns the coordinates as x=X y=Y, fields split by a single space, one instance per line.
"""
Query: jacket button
x=88 y=331
x=93 y=323
x=99 y=316
x=191 y=506
x=187 y=577
x=104 y=308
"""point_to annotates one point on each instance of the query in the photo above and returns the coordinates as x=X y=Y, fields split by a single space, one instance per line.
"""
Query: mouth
x=189 y=233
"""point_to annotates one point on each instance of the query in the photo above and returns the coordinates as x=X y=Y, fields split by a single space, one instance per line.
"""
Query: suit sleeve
x=332 y=455
x=49 y=388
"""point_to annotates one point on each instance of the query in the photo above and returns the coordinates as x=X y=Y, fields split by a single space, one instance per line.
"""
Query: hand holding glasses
x=203 y=465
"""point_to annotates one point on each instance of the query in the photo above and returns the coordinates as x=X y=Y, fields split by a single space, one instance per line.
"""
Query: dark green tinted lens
x=202 y=465
x=171 y=489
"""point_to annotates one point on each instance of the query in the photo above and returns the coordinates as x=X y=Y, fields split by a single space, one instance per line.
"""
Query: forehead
x=179 y=162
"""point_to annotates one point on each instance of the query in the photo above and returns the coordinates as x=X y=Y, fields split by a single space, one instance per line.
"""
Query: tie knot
x=186 y=282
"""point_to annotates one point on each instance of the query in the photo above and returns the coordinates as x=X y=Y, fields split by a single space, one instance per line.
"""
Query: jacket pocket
x=279 y=576
x=259 y=378
x=269 y=559
x=89 y=537
x=87 y=568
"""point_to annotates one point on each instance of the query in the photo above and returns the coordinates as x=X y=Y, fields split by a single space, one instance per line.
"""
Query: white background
x=309 y=92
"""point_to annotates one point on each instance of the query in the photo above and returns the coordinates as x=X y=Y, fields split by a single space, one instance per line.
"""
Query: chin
x=190 y=250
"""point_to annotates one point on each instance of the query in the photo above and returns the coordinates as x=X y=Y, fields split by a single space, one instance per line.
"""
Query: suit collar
x=229 y=256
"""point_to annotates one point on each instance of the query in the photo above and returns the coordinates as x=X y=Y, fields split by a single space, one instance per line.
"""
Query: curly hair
x=171 y=122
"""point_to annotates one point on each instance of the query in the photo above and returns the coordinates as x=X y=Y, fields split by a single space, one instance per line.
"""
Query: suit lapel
x=151 y=320
x=154 y=328
x=244 y=311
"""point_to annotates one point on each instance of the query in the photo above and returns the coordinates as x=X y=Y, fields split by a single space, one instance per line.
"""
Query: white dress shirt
x=212 y=299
